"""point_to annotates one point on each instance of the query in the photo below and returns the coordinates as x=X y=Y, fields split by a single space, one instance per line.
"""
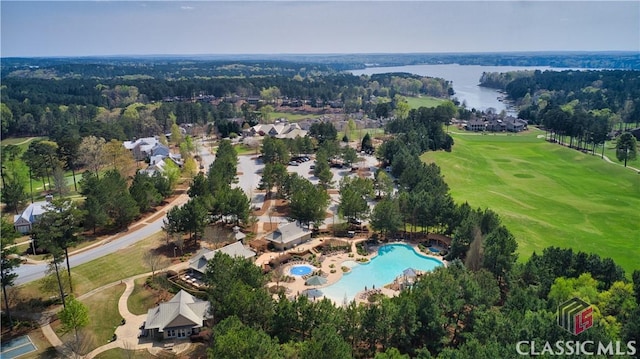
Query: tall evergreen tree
x=8 y=262
x=58 y=227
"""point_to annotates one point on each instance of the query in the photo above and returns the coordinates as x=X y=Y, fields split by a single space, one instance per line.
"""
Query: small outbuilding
x=199 y=261
x=288 y=236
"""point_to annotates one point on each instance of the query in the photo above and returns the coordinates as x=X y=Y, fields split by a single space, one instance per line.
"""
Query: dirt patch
x=269 y=226
x=172 y=251
x=280 y=207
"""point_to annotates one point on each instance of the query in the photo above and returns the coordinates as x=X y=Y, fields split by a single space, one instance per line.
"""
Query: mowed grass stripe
x=547 y=195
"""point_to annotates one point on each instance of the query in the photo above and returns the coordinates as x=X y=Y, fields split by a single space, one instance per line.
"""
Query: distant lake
x=464 y=78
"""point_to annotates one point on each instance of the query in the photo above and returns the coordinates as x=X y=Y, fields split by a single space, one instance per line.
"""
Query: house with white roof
x=278 y=130
x=142 y=147
x=24 y=222
x=180 y=317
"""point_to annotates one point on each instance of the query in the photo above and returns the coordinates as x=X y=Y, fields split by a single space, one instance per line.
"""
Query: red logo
x=575 y=316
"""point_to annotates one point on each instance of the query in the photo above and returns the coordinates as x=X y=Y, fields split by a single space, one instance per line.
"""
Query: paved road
x=30 y=272
x=248 y=181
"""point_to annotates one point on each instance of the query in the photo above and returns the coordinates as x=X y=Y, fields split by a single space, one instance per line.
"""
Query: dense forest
x=123 y=106
x=163 y=66
x=581 y=109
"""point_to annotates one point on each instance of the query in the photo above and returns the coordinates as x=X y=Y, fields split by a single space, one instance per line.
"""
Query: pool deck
x=297 y=286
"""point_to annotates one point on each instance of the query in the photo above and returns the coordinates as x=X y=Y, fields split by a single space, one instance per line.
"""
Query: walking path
x=127 y=334
x=619 y=164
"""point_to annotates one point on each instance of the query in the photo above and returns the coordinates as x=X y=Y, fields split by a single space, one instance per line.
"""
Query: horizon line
x=523 y=52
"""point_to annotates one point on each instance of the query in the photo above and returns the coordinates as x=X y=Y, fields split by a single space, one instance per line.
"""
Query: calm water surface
x=464 y=78
x=391 y=261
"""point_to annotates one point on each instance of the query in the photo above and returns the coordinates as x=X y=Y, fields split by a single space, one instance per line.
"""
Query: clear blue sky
x=89 y=28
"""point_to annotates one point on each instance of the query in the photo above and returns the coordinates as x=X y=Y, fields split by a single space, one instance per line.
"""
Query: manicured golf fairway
x=548 y=195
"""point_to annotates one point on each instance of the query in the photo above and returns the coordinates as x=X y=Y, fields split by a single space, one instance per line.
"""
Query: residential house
x=253 y=100
x=278 y=130
x=24 y=222
x=515 y=124
x=198 y=263
x=288 y=236
x=142 y=147
x=476 y=125
x=158 y=163
x=180 y=317
x=495 y=125
x=160 y=150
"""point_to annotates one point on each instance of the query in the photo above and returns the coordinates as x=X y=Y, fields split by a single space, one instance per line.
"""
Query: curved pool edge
x=438 y=261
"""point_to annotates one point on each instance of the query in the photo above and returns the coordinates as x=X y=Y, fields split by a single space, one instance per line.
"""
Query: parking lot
x=250 y=169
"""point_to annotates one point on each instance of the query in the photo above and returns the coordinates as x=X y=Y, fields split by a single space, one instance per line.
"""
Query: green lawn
x=141 y=299
x=119 y=353
x=104 y=318
x=357 y=135
x=546 y=194
x=610 y=151
x=425 y=101
x=124 y=263
x=23 y=142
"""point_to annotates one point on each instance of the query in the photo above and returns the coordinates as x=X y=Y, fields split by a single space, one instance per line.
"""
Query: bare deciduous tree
x=473 y=260
x=154 y=260
x=78 y=346
x=91 y=153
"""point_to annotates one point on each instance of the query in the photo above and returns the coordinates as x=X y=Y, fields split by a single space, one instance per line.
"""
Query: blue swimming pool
x=301 y=269
x=434 y=250
x=391 y=260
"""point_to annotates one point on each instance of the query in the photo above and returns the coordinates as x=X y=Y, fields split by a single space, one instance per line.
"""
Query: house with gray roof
x=288 y=236
x=142 y=147
x=180 y=317
x=199 y=261
x=476 y=125
x=24 y=221
x=515 y=124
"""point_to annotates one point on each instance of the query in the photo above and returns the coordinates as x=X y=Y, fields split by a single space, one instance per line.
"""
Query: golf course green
x=546 y=194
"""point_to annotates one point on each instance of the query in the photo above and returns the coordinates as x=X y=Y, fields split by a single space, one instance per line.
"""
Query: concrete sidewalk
x=127 y=334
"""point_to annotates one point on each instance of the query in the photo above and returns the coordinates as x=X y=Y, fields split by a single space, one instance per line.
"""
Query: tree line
x=581 y=109
x=121 y=107
x=459 y=311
